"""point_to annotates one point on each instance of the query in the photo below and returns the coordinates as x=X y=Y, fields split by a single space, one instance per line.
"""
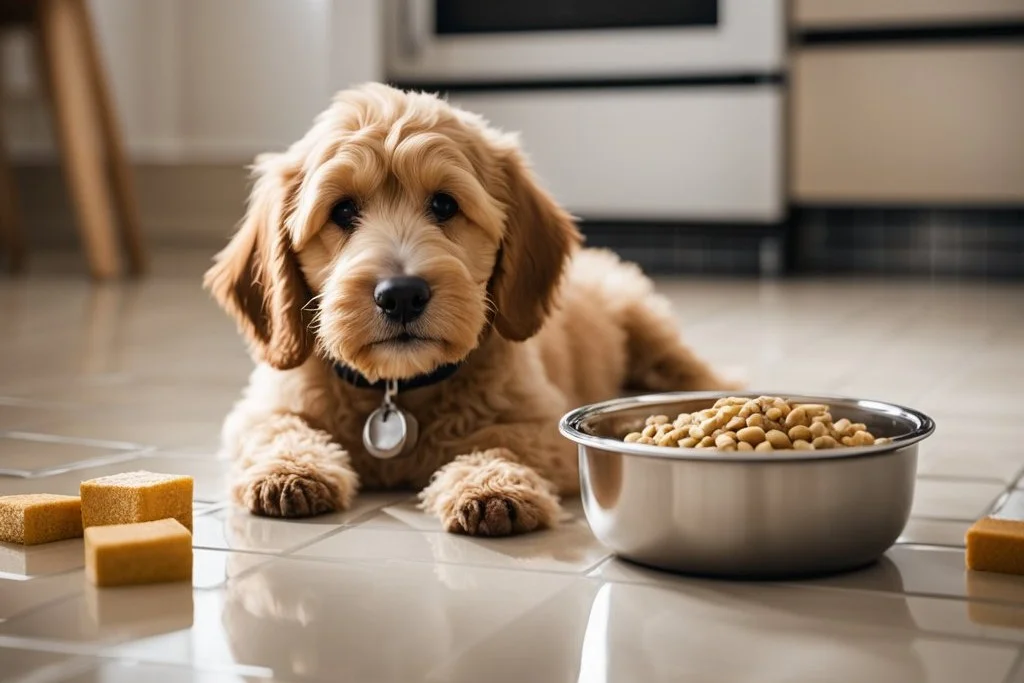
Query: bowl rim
x=569 y=426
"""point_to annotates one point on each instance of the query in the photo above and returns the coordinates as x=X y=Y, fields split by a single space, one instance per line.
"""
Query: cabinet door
x=942 y=123
x=855 y=13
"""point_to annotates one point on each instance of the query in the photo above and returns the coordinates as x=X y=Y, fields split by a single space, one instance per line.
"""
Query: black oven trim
x=717 y=80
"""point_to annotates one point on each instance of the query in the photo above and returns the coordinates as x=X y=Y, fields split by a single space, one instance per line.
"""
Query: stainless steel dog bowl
x=752 y=515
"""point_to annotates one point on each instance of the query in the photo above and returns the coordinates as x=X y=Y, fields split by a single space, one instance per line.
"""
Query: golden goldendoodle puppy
x=403 y=246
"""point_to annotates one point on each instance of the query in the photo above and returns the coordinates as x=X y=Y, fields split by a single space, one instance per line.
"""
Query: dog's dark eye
x=345 y=213
x=443 y=206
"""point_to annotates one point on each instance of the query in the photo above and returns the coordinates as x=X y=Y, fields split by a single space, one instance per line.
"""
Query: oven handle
x=414 y=22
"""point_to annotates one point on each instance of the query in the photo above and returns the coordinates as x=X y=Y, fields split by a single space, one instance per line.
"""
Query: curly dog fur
x=539 y=325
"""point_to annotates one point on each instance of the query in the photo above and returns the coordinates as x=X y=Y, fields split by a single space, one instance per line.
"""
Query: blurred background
x=694 y=136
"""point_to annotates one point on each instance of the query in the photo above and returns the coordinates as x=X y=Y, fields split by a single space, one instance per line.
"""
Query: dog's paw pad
x=287 y=495
x=497 y=515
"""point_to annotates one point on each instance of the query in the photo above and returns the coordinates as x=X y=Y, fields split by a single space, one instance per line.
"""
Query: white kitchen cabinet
x=845 y=14
x=199 y=81
x=908 y=124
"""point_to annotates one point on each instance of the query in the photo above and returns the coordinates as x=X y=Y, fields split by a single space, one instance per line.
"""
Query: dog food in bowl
x=763 y=424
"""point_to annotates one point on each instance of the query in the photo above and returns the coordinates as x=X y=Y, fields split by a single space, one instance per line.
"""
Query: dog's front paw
x=283 y=488
x=487 y=495
x=287 y=495
x=498 y=514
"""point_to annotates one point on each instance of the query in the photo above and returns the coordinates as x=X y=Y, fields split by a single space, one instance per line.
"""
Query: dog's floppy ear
x=257 y=279
x=539 y=238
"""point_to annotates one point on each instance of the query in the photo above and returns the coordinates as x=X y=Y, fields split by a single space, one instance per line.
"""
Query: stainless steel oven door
x=454 y=41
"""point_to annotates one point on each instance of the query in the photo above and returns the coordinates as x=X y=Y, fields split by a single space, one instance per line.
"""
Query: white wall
x=201 y=81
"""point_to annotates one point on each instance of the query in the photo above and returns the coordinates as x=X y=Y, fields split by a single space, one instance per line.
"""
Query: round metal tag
x=389 y=432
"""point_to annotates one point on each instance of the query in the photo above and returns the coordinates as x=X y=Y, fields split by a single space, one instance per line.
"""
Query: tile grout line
x=103 y=653
x=1000 y=501
x=320 y=559
x=42 y=437
x=1016 y=668
x=887 y=595
x=953 y=479
x=350 y=524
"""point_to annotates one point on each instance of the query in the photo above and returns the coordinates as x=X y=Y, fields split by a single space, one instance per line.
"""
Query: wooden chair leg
x=12 y=240
x=122 y=181
x=79 y=132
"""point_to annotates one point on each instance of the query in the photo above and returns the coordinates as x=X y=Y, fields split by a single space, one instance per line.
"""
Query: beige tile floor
x=99 y=380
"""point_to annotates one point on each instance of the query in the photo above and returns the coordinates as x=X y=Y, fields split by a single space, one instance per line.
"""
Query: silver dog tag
x=389 y=431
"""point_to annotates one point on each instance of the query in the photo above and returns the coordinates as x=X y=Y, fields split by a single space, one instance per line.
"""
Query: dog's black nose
x=402 y=299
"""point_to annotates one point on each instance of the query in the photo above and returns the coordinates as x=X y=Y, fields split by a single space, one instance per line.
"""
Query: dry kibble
x=763 y=424
x=666 y=440
x=863 y=438
x=882 y=441
x=752 y=435
x=823 y=442
x=797 y=416
x=801 y=432
x=725 y=440
x=735 y=424
x=778 y=439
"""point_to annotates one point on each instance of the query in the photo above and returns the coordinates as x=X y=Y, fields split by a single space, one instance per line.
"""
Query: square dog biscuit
x=996 y=545
x=137 y=497
x=130 y=554
x=34 y=518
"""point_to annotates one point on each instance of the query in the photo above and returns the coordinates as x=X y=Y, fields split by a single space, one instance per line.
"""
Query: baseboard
x=932 y=241
x=709 y=248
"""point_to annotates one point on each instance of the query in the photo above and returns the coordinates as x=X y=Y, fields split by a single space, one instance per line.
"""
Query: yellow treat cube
x=129 y=554
x=137 y=497
x=35 y=518
x=996 y=545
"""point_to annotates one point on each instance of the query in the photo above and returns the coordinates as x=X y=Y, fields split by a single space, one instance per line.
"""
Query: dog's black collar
x=358 y=380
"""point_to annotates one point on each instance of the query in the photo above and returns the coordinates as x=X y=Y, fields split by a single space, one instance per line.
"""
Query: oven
x=453 y=41
x=660 y=113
